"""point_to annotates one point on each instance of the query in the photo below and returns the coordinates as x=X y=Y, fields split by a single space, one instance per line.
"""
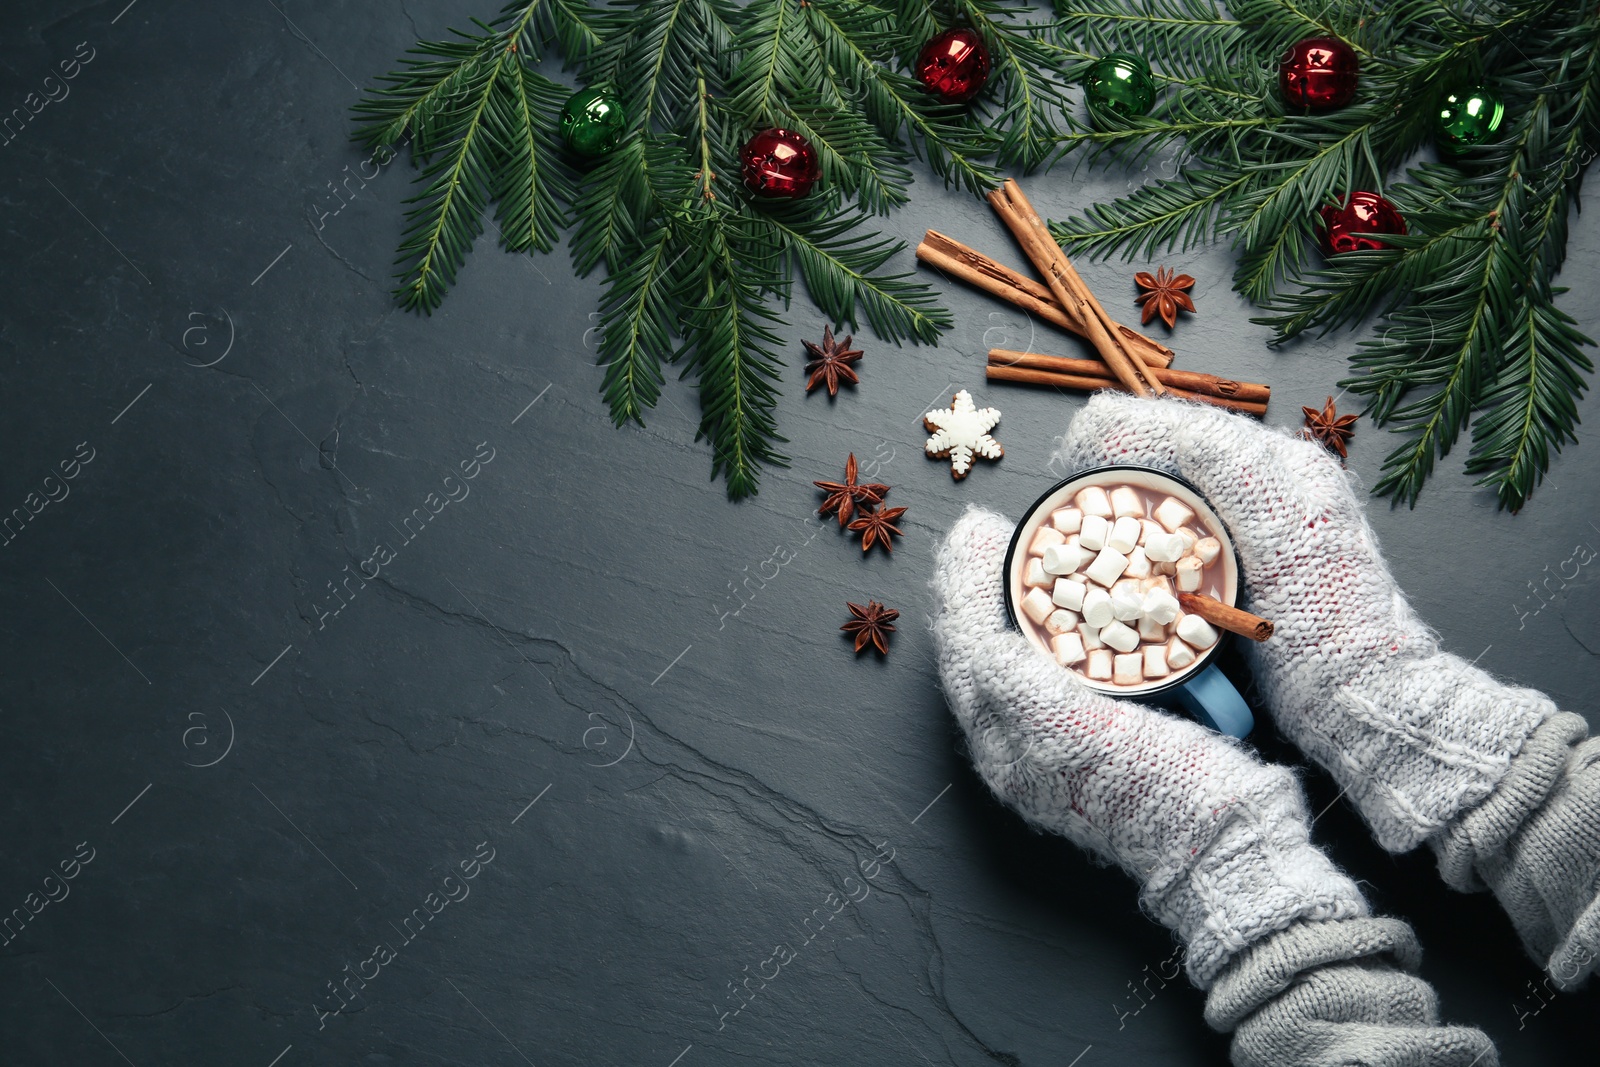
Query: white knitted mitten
x=1427 y=746
x=1217 y=840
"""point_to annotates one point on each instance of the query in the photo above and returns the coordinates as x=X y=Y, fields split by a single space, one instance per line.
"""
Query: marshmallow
x=1164 y=568
x=1044 y=537
x=1148 y=528
x=1189 y=568
x=1096 y=607
x=1195 y=631
x=1179 y=655
x=1091 y=636
x=1121 y=636
x=1126 y=605
x=1068 y=594
x=1125 y=501
x=1128 y=670
x=1173 y=513
x=1037 y=605
x=1127 y=583
x=1208 y=549
x=1107 y=566
x=1190 y=539
x=1092 y=534
x=1034 y=573
x=1068 y=649
x=1138 y=564
x=1092 y=500
x=1124 y=534
x=1060 y=621
x=1067 y=520
x=1065 y=558
x=1160 y=605
x=1163 y=547
x=1100 y=664
x=1149 y=629
x=1157 y=581
x=1155 y=661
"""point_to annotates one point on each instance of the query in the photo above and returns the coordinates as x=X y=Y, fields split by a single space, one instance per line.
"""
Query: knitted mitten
x=1427 y=746
x=1217 y=840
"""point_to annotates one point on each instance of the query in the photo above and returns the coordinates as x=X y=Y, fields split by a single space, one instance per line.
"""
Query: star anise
x=871 y=625
x=844 y=496
x=1329 y=428
x=876 y=526
x=830 y=362
x=1164 y=293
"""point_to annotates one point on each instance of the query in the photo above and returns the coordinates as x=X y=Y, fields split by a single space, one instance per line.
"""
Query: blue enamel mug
x=1199 y=688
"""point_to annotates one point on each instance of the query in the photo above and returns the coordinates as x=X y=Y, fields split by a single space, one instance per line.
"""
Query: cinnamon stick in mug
x=1234 y=620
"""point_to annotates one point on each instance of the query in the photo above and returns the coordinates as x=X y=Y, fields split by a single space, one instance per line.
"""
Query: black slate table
x=556 y=779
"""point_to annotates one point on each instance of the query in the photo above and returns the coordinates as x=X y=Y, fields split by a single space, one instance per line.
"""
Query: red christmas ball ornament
x=954 y=65
x=1348 y=227
x=780 y=163
x=1318 y=73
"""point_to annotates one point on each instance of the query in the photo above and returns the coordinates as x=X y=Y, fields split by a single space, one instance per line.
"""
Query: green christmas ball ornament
x=1469 y=117
x=1120 y=84
x=593 y=122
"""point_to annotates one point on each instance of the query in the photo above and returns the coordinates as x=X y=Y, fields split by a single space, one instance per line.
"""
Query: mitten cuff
x=1484 y=831
x=1329 y=994
x=1536 y=843
x=1271 y=966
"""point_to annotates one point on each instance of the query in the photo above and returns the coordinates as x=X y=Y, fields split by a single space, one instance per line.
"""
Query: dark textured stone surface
x=704 y=780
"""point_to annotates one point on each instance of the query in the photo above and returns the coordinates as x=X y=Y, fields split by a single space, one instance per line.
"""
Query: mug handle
x=1212 y=699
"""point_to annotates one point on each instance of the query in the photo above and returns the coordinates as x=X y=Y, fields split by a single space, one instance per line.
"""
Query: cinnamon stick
x=1001 y=373
x=995 y=278
x=1042 y=253
x=1191 y=381
x=1234 y=620
x=1058 y=269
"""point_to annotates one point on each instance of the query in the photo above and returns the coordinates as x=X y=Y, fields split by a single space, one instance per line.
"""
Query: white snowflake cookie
x=961 y=433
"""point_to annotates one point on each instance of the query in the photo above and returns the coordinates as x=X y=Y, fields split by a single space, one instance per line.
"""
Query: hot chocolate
x=1100 y=579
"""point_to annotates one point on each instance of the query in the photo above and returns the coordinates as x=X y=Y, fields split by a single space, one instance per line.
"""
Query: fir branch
x=411 y=98
x=530 y=183
x=1177 y=212
x=1272 y=221
x=842 y=268
x=1532 y=405
x=854 y=39
x=1449 y=334
x=775 y=62
x=635 y=337
x=448 y=215
x=1029 y=98
x=1530 y=409
x=1276 y=24
x=1181 y=35
x=732 y=349
x=616 y=199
